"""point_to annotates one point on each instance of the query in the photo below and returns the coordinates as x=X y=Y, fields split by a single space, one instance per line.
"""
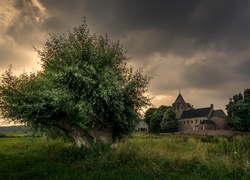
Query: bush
x=209 y=139
x=2 y=135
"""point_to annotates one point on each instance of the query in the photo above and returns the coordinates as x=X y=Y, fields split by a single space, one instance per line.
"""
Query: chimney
x=211 y=111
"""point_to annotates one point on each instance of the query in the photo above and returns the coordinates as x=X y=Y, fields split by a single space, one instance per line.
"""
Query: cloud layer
x=201 y=46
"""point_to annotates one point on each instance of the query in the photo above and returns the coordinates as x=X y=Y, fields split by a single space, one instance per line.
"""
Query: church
x=206 y=118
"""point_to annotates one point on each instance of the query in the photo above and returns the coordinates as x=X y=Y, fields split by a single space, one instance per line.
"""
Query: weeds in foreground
x=142 y=156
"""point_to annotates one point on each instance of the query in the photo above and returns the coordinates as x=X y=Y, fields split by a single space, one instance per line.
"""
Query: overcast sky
x=202 y=46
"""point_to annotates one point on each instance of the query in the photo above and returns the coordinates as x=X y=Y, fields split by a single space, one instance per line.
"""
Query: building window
x=191 y=122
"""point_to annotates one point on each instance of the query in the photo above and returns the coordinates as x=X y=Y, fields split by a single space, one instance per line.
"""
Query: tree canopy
x=169 y=122
x=238 y=110
x=148 y=114
x=85 y=88
x=162 y=119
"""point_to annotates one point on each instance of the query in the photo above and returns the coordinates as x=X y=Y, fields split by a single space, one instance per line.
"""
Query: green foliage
x=84 y=81
x=190 y=106
x=162 y=119
x=2 y=135
x=156 y=118
x=55 y=133
x=148 y=114
x=155 y=121
x=169 y=122
x=238 y=110
x=209 y=139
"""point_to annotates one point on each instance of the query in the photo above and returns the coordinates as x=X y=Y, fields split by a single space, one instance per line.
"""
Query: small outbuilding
x=142 y=126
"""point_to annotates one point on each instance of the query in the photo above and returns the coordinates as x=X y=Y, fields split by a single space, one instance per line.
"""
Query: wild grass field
x=141 y=156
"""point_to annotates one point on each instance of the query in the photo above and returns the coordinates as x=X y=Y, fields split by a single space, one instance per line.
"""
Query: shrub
x=209 y=139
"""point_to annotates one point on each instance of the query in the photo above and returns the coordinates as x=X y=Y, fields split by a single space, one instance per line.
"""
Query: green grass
x=142 y=156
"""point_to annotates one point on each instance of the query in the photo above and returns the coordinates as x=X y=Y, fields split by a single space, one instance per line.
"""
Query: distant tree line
x=162 y=119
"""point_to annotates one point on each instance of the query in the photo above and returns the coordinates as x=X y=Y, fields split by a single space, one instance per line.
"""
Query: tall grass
x=142 y=156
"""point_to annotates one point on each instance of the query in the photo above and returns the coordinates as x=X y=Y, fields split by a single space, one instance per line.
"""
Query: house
x=142 y=126
x=199 y=119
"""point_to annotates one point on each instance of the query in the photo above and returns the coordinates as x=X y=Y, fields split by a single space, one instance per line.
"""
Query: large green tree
x=85 y=89
x=238 y=110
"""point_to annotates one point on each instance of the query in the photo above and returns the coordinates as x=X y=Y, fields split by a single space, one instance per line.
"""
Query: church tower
x=179 y=105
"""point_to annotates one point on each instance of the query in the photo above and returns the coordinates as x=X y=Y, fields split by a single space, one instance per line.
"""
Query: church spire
x=179 y=105
x=179 y=99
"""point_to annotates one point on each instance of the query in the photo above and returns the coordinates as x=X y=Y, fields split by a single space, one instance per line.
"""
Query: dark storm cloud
x=205 y=75
x=176 y=26
x=63 y=7
x=206 y=24
x=242 y=68
x=55 y=25
x=63 y=15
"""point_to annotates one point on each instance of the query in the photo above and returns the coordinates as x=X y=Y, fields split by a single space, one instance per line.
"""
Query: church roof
x=219 y=113
x=194 y=113
x=179 y=99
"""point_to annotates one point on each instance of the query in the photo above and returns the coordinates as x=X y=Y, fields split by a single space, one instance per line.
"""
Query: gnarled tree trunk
x=79 y=134
x=102 y=133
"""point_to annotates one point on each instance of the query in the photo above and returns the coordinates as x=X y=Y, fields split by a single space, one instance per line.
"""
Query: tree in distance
x=162 y=119
x=85 y=89
x=238 y=110
x=169 y=122
x=148 y=114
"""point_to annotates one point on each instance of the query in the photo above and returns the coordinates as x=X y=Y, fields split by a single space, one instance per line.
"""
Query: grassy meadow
x=141 y=156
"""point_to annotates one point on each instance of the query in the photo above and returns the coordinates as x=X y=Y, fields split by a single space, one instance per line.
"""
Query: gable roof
x=193 y=113
x=218 y=113
x=208 y=122
x=179 y=99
